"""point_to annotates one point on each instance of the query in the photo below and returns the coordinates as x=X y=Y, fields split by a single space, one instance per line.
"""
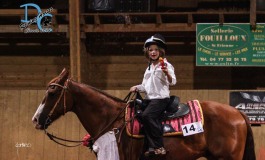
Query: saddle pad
x=195 y=115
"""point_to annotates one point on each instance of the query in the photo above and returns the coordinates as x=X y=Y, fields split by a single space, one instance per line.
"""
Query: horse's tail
x=249 y=153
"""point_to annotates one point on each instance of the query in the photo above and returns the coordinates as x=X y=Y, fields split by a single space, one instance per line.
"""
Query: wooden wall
x=29 y=72
x=109 y=72
x=16 y=110
x=105 y=72
x=122 y=72
x=18 y=106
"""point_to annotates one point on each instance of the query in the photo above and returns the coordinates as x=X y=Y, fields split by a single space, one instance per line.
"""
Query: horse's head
x=55 y=103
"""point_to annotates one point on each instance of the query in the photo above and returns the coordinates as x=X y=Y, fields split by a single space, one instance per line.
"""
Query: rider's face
x=153 y=52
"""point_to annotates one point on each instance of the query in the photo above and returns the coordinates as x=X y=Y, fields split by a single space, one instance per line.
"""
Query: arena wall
x=20 y=140
x=29 y=72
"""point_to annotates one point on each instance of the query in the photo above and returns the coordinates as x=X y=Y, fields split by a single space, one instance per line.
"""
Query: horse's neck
x=94 y=110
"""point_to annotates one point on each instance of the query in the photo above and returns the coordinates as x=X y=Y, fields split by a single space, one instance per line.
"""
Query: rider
x=155 y=84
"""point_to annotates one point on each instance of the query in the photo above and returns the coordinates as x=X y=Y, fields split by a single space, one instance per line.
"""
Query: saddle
x=173 y=110
x=175 y=116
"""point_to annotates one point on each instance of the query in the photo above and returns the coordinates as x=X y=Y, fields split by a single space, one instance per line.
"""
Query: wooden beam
x=74 y=33
x=78 y=55
x=10 y=29
x=14 y=12
x=16 y=29
x=169 y=27
x=158 y=20
x=253 y=16
x=221 y=19
x=97 y=20
x=190 y=19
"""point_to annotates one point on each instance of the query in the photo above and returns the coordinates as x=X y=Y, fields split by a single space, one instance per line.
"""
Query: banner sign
x=251 y=103
x=230 y=45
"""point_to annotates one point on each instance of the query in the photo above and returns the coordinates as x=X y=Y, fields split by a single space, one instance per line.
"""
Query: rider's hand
x=133 y=89
x=165 y=70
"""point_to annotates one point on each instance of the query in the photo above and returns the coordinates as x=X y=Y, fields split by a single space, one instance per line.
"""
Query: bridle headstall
x=48 y=120
x=91 y=140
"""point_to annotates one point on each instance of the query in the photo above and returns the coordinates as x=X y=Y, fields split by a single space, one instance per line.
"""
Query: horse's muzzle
x=35 y=121
x=37 y=126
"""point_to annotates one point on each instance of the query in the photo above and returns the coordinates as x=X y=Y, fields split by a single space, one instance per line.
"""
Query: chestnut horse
x=227 y=134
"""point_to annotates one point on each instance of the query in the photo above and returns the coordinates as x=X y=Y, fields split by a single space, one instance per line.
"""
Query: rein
x=48 y=120
x=91 y=140
x=126 y=99
x=52 y=137
x=112 y=121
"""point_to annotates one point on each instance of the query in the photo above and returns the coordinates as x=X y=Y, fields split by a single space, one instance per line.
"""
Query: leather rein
x=92 y=140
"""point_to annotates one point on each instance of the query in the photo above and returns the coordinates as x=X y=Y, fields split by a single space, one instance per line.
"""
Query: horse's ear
x=64 y=74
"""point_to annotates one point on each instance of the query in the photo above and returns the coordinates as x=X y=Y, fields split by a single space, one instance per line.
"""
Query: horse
x=227 y=133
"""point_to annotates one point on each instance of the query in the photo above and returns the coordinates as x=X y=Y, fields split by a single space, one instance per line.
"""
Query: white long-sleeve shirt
x=155 y=83
x=106 y=147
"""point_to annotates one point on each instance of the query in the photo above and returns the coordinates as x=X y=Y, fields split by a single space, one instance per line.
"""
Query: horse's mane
x=106 y=94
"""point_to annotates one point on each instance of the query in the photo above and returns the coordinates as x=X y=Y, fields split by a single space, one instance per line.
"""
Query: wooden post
x=253 y=9
x=74 y=32
x=190 y=19
x=78 y=54
x=158 y=20
x=221 y=19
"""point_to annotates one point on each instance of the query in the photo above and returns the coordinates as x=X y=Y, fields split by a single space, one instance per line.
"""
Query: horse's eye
x=52 y=87
x=51 y=90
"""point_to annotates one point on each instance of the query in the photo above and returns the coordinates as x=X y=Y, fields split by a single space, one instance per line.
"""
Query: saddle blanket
x=195 y=115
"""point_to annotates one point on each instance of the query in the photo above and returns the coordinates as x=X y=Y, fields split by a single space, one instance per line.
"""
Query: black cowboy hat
x=157 y=39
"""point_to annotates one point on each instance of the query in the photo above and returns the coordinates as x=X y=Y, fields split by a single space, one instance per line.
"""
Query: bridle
x=48 y=120
x=64 y=89
x=91 y=140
